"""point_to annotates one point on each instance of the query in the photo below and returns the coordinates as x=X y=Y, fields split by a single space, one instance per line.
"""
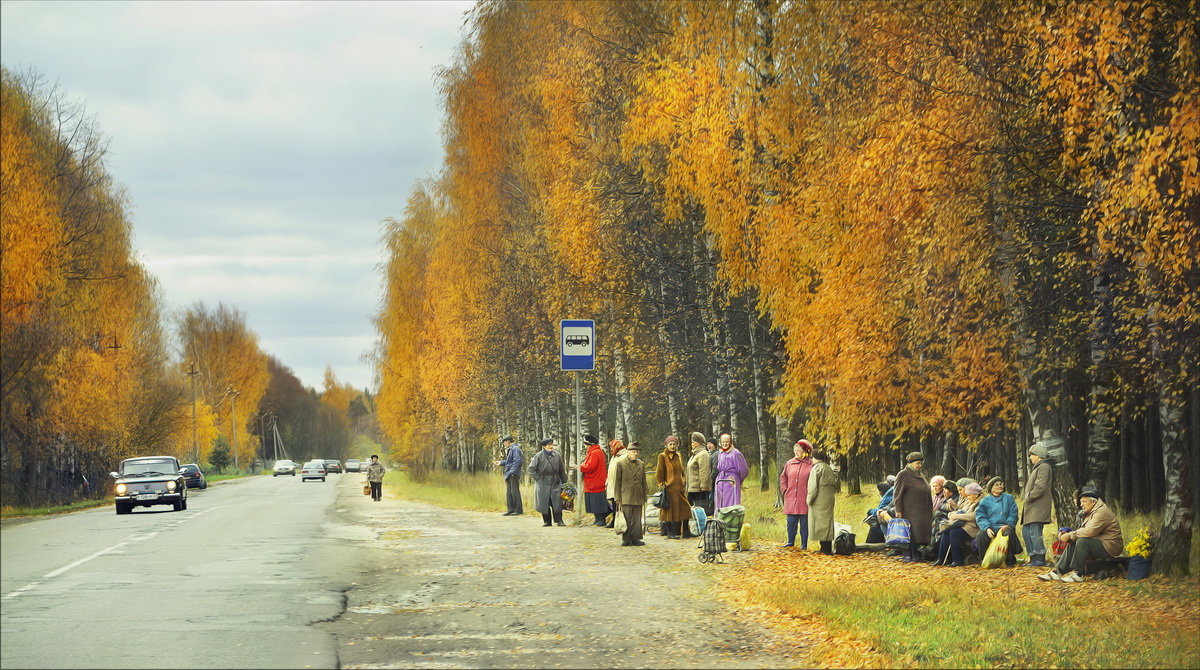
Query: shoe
x=955 y=565
x=1037 y=563
x=545 y=525
x=558 y=524
x=1072 y=578
x=626 y=544
x=1051 y=576
x=787 y=545
x=638 y=543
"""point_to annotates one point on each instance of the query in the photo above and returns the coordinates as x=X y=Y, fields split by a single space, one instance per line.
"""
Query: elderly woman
x=671 y=478
x=912 y=499
x=699 y=475
x=937 y=490
x=822 y=487
x=616 y=449
x=732 y=469
x=997 y=512
x=1099 y=536
x=960 y=528
x=793 y=486
x=549 y=473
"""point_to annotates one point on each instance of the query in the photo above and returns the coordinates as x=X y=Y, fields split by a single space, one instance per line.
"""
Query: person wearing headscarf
x=996 y=512
x=671 y=478
x=549 y=473
x=937 y=490
x=793 y=487
x=699 y=475
x=822 y=488
x=595 y=474
x=732 y=469
x=912 y=500
x=1036 y=512
x=1099 y=536
x=616 y=451
x=960 y=528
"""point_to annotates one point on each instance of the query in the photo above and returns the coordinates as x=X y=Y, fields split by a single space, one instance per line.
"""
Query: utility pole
x=233 y=421
x=195 y=446
x=579 y=496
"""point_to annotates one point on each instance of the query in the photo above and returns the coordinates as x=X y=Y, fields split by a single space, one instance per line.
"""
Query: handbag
x=899 y=533
x=661 y=500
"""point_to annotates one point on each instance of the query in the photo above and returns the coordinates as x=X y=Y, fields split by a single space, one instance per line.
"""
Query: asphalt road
x=234 y=581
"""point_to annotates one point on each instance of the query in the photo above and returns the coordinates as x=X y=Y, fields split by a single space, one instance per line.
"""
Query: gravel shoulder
x=441 y=588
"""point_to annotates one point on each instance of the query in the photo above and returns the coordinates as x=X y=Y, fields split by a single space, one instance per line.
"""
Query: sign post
x=577 y=347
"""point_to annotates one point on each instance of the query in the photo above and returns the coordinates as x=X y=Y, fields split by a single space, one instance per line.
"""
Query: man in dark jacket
x=514 y=458
x=912 y=499
x=1036 y=513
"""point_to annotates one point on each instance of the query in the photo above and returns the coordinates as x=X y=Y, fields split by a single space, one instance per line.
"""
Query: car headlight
x=121 y=488
x=170 y=486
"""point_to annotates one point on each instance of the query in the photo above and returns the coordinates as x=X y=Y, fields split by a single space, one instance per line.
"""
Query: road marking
x=14 y=594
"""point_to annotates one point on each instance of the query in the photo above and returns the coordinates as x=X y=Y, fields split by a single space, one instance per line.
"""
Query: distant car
x=284 y=467
x=353 y=465
x=313 y=470
x=193 y=476
x=332 y=465
x=149 y=480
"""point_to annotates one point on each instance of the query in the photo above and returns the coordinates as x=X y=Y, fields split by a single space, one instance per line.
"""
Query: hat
x=1040 y=451
x=891 y=479
x=507 y=438
x=671 y=438
x=1089 y=492
x=914 y=456
x=590 y=439
x=633 y=445
x=698 y=437
x=992 y=482
x=548 y=440
x=964 y=481
x=951 y=487
x=805 y=444
x=973 y=488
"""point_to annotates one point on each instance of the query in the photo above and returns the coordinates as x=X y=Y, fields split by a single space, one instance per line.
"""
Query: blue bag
x=899 y=533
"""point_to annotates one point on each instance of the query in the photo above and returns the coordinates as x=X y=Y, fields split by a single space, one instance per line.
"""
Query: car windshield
x=143 y=468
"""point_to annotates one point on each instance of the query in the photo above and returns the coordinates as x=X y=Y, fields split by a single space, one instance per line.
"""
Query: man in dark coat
x=911 y=498
x=549 y=474
x=513 y=460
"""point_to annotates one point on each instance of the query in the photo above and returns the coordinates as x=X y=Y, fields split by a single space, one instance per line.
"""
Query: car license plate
x=147 y=496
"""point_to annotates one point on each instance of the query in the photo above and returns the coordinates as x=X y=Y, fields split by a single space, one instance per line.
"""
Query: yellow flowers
x=1142 y=544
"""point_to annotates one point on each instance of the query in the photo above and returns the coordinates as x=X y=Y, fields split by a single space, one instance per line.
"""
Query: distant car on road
x=284 y=467
x=353 y=465
x=149 y=480
x=194 y=476
x=313 y=470
x=332 y=465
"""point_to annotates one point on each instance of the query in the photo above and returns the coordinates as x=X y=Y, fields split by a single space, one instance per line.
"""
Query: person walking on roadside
x=732 y=469
x=513 y=460
x=549 y=474
x=1036 y=513
x=699 y=475
x=793 y=486
x=375 y=473
x=912 y=499
x=822 y=487
x=670 y=476
x=595 y=475
x=630 y=487
x=616 y=452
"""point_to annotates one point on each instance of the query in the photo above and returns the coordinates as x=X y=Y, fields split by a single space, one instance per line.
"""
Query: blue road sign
x=577 y=339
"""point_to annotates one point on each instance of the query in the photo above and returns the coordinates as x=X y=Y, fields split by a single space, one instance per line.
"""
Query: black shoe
x=558 y=524
x=626 y=544
x=546 y=524
x=638 y=543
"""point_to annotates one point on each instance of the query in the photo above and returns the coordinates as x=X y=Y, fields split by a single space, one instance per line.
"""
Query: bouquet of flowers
x=568 y=496
x=1142 y=544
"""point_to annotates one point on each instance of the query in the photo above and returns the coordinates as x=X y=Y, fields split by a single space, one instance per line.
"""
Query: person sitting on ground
x=960 y=528
x=913 y=498
x=997 y=512
x=616 y=450
x=1099 y=536
x=875 y=532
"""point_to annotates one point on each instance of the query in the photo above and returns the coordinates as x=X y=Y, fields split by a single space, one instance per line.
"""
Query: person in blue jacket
x=513 y=460
x=996 y=512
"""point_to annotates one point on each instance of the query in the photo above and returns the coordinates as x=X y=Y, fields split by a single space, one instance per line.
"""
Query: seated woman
x=943 y=506
x=960 y=528
x=1099 y=536
x=996 y=512
x=874 y=526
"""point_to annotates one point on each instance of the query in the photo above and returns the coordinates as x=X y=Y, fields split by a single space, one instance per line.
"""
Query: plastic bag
x=996 y=551
x=899 y=533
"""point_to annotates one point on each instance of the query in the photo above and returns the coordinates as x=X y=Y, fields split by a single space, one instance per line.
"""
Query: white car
x=313 y=470
x=284 y=467
x=354 y=465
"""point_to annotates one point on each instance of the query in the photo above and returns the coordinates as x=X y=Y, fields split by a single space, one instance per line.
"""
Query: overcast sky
x=262 y=144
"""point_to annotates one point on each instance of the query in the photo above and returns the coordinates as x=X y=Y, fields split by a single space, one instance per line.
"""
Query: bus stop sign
x=577 y=340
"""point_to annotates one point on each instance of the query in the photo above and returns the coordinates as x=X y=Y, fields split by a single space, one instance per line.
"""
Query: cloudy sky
x=262 y=144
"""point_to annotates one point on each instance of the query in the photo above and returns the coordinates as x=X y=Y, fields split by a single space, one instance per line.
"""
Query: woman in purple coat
x=793 y=486
x=732 y=469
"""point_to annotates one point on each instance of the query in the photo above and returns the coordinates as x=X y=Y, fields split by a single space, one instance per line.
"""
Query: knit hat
x=698 y=438
x=671 y=438
x=805 y=444
x=992 y=482
x=938 y=478
x=1040 y=451
x=914 y=456
x=1089 y=492
x=973 y=489
x=964 y=481
x=590 y=439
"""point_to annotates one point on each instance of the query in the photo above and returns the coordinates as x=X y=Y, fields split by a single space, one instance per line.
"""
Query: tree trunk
x=1172 y=554
x=760 y=412
x=947 y=469
x=624 y=401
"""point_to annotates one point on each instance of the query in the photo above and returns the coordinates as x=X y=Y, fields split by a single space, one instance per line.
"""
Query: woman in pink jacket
x=793 y=486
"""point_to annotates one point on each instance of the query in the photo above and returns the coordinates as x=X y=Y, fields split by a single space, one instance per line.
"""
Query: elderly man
x=1099 y=536
x=549 y=474
x=629 y=484
x=514 y=458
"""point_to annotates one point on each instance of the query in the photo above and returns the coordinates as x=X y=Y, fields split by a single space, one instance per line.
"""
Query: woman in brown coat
x=671 y=478
x=912 y=500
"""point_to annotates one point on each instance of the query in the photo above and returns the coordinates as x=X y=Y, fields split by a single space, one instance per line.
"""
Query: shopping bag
x=366 y=488
x=996 y=551
x=899 y=532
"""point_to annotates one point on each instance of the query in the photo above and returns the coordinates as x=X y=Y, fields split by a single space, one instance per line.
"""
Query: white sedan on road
x=284 y=467
x=313 y=470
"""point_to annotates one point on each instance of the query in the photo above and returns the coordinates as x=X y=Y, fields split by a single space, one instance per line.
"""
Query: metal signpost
x=577 y=346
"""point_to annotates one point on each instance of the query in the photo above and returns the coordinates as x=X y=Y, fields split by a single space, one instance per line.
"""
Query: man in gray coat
x=630 y=488
x=549 y=474
x=1036 y=513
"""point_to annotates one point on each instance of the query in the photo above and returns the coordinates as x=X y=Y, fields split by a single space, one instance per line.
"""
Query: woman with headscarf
x=793 y=486
x=960 y=528
x=699 y=475
x=616 y=449
x=996 y=514
x=732 y=469
x=912 y=499
x=822 y=487
x=671 y=479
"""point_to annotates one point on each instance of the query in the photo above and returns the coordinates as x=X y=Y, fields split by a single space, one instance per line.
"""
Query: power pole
x=233 y=421
x=195 y=446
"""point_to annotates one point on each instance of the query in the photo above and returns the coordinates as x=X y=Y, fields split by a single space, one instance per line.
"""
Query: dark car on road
x=332 y=465
x=149 y=480
x=194 y=476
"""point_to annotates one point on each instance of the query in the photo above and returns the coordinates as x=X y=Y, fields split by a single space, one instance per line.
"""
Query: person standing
x=699 y=475
x=514 y=458
x=793 y=486
x=549 y=474
x=630 y=487
x=732 y=469
x=595 y=475
x=616 y=452
x=375 y=473
x=912 y=500
x=670 y=476
x=822 y=487
x=1036 y=514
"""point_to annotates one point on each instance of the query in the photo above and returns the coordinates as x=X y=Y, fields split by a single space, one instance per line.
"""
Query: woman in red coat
x=793 y=486
x=595 y=478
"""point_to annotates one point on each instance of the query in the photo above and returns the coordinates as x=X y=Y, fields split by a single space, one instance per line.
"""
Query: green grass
x=481 y=491
x=9 y=512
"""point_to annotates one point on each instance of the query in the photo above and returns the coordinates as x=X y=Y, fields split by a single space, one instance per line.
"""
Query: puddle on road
x=472 y=636
x=407 y=608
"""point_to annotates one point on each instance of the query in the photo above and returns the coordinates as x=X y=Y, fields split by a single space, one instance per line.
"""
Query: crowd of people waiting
x=949 y=522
